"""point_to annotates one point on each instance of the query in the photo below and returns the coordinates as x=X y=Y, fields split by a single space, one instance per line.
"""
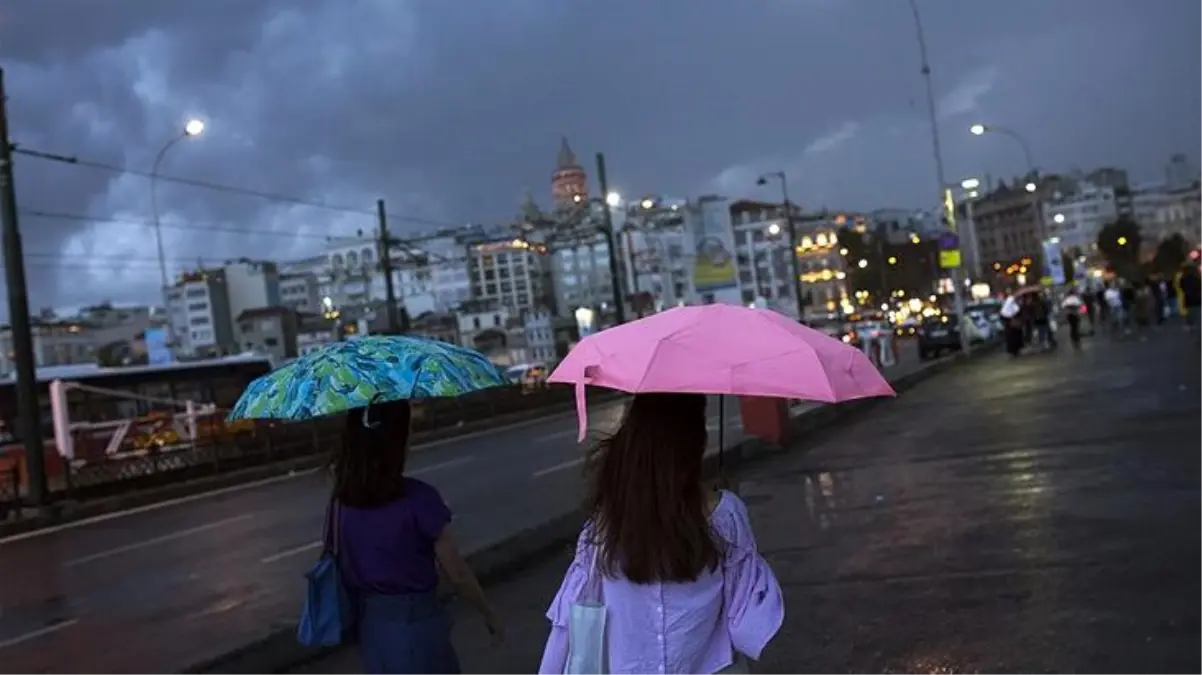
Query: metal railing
x=231 y=448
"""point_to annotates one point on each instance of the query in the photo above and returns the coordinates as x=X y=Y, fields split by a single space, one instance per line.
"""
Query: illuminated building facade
x=765 y=271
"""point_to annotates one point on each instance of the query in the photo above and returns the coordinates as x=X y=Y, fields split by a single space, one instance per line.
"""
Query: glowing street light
x=863 y=263
x=1058 y=218
x=977 y=129
x=1122 y=241
x=774 y=229
x=970 y=183
x=647 y=203
x=194 y=127
x=1031 y=187
x=614 y=199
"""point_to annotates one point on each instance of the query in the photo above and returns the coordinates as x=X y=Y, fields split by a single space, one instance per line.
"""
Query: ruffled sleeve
x=555 y=653
x=755 y=606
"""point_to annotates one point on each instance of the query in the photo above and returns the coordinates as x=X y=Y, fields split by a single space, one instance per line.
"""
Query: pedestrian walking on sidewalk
x=394 y=535
x=1072 y=306
x=1189 y=293
x=683 y=587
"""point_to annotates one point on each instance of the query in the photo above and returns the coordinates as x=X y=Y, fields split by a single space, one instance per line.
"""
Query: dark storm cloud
x=449 y=109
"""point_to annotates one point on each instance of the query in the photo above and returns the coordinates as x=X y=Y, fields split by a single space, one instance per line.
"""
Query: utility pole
x=791 y=230
x=634 y=272
x=940 y=177
x=385 y=255
x=29 y=422
x=611 y=241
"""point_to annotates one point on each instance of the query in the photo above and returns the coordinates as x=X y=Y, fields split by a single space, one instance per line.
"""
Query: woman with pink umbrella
x=667 y=577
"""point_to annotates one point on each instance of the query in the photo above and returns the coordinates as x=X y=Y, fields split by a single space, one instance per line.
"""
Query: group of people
x=673 y=557
x=1118 y=308
x=1030 y=321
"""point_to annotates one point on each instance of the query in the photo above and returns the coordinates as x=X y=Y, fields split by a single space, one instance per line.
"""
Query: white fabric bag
x=588 y=646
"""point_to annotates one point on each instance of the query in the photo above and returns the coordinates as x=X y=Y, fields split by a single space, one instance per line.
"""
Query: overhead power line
x=217 y=187
x=193 y=227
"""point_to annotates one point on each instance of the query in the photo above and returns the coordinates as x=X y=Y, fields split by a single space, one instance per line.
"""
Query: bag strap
x=332 y=536
x=592 y=579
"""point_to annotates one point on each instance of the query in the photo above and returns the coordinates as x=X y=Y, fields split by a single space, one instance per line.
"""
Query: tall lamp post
x=791 y=232
x=970 y=186
x=193 y=127
x=941 y=182
x=1031 y=187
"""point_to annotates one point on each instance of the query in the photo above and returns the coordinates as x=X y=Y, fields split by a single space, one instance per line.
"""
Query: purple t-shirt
x=390 y=549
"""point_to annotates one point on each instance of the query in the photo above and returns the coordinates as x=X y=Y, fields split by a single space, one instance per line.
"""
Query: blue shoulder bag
x=328 y=616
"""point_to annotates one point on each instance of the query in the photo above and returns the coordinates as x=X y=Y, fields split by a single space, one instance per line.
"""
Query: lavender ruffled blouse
x=691 y=627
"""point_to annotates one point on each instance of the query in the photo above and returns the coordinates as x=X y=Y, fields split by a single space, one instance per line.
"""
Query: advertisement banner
x=1054 y=261
x=711 y=234
x=157 y=351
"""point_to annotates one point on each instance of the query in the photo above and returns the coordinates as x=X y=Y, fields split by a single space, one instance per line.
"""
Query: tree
x=1119 y=243
x=1171 y=254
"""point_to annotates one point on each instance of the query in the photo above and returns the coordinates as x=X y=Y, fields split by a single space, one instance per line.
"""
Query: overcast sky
x=449 y=109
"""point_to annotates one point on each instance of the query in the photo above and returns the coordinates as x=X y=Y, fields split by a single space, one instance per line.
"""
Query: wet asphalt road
x=1034 y=515
x=163 y=588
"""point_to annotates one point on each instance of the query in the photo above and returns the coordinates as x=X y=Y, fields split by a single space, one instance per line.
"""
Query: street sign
x=949 y=250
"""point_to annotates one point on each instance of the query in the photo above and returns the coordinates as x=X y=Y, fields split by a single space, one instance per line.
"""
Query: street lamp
x=791 y=229
x=970 y=183
x=1058 y=218
x=940 y=175
x=1031 y=187
x=613 y=199
x=193 y=127
x=774 y=230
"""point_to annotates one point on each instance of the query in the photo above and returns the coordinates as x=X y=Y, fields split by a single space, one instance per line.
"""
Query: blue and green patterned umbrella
x=356 y=372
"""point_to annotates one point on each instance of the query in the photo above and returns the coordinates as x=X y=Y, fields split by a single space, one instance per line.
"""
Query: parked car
x=937 y=335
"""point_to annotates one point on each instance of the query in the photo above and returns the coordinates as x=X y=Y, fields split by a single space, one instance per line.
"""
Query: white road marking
x=557 y=435
x=314 y=545
x=180 y=534
x=558 y=467
x=288 y=553
x=33 y=635
x=188 y=499
x=155 y=506
x=422 y=470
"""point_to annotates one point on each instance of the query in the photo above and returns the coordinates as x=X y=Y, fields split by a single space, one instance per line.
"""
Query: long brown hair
x=650 y=511
x=369 y=464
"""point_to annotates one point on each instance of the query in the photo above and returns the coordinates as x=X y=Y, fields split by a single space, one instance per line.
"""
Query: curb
x=69 y=512
x=279 y=652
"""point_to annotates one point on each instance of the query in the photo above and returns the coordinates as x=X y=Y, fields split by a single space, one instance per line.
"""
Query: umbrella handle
x=588 y=374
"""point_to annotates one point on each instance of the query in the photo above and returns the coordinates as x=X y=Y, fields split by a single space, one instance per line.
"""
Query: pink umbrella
x=720 y=349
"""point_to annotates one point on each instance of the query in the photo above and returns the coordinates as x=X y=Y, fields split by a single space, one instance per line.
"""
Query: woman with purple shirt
x=394 y=534
x=684 y=587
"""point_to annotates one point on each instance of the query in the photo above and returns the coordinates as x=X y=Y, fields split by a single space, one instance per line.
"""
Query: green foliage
x=1119 y=243
x=1171 y=254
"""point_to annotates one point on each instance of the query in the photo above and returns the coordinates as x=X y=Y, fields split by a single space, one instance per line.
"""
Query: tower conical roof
x=566 y=158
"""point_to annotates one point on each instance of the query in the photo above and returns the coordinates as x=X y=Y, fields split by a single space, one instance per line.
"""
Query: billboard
x=711 y=242
x=157 y=351
x=1054 y=263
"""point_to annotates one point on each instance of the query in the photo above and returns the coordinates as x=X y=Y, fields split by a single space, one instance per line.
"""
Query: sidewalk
x=1034 y=515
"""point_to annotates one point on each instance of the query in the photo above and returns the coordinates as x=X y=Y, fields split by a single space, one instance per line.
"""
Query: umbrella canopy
x=357 y=372
x=720 y=349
